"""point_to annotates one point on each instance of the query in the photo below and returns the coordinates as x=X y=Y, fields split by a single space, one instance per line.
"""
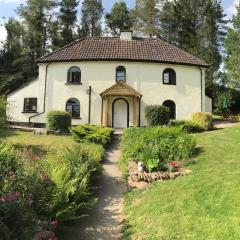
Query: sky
x=7 y=9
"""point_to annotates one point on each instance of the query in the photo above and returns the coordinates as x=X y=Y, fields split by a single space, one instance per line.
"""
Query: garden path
x=104 y=220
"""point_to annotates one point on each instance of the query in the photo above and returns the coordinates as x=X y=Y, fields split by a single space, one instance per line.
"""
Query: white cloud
x=231 y=10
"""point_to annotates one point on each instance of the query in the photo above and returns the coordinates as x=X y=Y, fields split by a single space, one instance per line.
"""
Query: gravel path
x=223 y=124
x=104 y=221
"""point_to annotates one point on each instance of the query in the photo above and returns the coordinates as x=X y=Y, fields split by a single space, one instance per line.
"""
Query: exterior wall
x=146 y=78
x=208 y=103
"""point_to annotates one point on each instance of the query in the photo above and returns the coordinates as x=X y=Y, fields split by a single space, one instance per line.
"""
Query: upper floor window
x=73 y=107
x=74 y=75
x=169 y=76
x=30 y=105
x=120 y=74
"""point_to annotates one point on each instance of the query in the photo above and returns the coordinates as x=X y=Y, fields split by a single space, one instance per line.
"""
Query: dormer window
x=74 y=75
x=169 y=76
x=121 y=74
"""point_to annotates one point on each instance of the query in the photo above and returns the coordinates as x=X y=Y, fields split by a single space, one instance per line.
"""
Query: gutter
x=44 y=98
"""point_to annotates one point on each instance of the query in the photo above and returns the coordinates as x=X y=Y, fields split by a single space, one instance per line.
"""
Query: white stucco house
x=110 y=80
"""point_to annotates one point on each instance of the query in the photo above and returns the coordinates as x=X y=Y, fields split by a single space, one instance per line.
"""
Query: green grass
x=40 y=144
x=204 y=205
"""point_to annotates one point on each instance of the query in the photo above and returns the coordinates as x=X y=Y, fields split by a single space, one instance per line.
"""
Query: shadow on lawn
x=6 y=132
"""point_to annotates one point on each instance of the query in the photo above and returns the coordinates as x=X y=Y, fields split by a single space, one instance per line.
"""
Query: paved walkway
x=105 y=218
x=223 y=124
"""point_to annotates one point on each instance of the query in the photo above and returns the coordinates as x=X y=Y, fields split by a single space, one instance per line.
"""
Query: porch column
x=105 y=109
x=134 y=112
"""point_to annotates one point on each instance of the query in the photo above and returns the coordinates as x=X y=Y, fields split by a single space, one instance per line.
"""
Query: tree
x=199 y=29
x=118 y=18
x=67 y=19
x=146 y=15
x=232 y=49
x=92 y=11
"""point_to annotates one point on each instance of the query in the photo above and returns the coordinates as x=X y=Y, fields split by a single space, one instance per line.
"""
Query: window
x=30 y=105
x=120 y=74
x=169 y=76
x=73 y=107
x=74 y=75
x=172 y=107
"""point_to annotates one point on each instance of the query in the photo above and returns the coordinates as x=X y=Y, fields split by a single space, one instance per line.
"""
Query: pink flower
x=9 y=197
x=45 y=235
x=174 y=164
x=54 y=224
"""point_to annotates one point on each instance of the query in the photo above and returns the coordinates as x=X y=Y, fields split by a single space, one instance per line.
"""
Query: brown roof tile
x=115 y=49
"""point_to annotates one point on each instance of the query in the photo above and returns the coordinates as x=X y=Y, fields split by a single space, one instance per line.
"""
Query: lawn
x=204 y=205
x=38 y=143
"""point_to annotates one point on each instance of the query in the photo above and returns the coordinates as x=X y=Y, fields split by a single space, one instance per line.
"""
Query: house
x=110 y=80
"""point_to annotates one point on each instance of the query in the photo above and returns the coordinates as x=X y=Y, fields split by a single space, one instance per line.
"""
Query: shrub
x=203 y=119
x=58 y=122
x=156 y=146
x=157 y=115
x=93 y=134
x=187 y=126
x=72 y=181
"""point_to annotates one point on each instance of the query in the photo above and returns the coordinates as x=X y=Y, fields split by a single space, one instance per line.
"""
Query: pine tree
x=198 y=26
x=146 y=16
x=232 y=49
x=92 y=12
x=118 y=17
x=67 y=19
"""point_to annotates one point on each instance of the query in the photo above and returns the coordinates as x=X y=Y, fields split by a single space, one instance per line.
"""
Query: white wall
x=208 y=104
x=144 y=77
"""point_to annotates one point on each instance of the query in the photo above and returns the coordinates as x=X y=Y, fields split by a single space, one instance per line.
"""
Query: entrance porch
x=121 y=106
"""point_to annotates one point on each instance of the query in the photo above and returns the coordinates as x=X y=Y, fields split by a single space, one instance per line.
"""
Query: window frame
x=123 y=69
x=172 y=76
x=69 y=76
x=31 y=105
x=66 y=108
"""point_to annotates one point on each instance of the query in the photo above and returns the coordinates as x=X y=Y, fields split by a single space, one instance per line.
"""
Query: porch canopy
x=121 y=89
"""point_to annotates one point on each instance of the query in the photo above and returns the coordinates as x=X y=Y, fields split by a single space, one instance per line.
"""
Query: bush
x=34 y=191
x=92 y=134
x=203 y=119
x=155 y=147
x=187 y=126
x=157 y=115
x=58 y=122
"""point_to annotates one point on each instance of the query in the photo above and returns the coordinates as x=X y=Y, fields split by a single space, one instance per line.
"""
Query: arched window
x=120 y=74
x=172 y=107
x=169 y=76
x=73 y=107
x=74 y=75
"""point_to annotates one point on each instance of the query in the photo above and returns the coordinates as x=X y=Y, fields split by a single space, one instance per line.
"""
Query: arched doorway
x=172 y=107
x=120 y=113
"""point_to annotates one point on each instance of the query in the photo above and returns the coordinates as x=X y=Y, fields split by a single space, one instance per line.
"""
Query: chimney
x=126 y=34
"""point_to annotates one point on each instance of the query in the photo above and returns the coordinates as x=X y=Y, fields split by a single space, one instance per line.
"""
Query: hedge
x=157 y=115
x=58 y=122
x=203 y=119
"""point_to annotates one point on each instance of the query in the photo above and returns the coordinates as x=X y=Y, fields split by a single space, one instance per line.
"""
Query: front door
x=120 y=113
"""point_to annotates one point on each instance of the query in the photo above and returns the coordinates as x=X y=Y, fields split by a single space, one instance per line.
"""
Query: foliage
x=232 y=48
x=155 y=146
x=93 y=134
x=187 y=126
x=67 y=18
x=157 y=115
x=72 y=181
x=146 y=16
x=203 y=119
x=118 y=18
x=91 y=15
x=58 y=121
x=3 y=108
x=34 y=191
x=209 y=195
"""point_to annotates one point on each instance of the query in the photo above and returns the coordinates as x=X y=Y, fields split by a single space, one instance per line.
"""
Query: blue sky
x=7 y=9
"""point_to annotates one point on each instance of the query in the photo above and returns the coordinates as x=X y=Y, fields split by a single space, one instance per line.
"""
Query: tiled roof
x=115 y=49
